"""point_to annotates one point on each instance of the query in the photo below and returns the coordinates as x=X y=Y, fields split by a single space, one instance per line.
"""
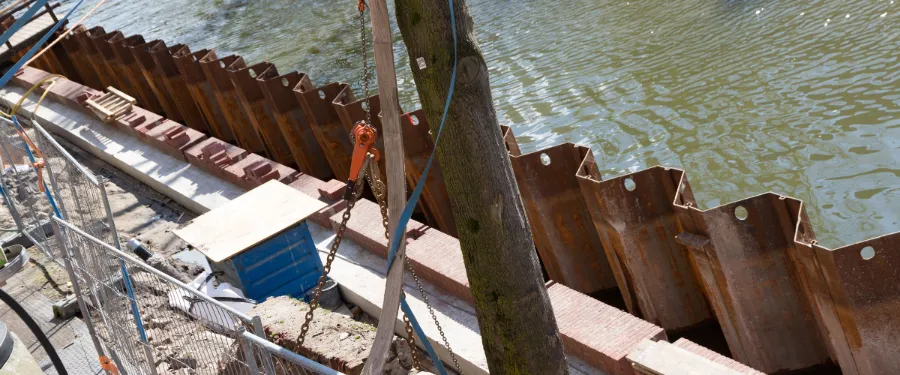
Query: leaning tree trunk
x=518 y=328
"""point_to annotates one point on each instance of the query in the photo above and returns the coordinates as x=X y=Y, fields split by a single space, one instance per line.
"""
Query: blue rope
x=414 y=198
x=22 y=20
x=18 y=65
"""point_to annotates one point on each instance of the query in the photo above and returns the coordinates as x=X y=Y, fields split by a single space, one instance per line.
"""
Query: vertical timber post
x=396 y=178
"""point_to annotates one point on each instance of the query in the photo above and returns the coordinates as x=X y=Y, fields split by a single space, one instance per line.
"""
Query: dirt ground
x=178 y=343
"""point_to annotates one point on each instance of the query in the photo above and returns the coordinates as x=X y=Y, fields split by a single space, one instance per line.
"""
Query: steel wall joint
x=564 y=234
x=189 y=65
x=752 y=282
x=174 y=83
x=153 y=76
x=251 y=97
x=637 y=224
x=295 y=128
x=215 y=70
x=323 y=118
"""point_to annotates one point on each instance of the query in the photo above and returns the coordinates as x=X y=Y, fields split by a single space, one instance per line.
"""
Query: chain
x=380 y=192
x=365 y=59
x=339 y=236
x=433 y=316
x=378 y=189
x=411 y=340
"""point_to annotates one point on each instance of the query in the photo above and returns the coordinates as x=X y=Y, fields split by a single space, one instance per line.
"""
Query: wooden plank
x=396 y=174
x=248 y=220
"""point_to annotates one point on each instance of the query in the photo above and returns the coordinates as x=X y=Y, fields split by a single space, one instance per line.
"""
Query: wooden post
x=396 y=179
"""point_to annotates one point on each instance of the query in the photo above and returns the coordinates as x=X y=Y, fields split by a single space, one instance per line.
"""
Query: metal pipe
x=289 y=355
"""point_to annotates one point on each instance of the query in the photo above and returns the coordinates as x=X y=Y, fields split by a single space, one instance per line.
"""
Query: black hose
x=36 y=330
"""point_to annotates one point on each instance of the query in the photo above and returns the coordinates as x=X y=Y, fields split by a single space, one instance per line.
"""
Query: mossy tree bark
x=518 y=329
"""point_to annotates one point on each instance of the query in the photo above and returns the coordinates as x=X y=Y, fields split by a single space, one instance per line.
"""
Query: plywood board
x=248 y=220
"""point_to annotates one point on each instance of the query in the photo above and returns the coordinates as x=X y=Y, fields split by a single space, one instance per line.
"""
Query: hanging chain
x=339 y=236
x=365 y=58
x=378 y=188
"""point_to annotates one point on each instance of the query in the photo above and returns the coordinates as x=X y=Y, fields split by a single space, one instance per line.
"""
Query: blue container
x=286 y=264
x=260 y=241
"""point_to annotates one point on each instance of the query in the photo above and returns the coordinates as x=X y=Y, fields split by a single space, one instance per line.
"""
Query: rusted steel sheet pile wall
x=783 y=302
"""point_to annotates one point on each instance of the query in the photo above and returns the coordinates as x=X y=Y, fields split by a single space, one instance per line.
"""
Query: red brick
x=437 y=257
x=597 y=333
x=170 y=137
x=715 y=357
x=254 y=170
x=214 y=155
x=63 y=91
x=313 y=187
x=365 y=227
x=333 y=190
x=138 y=117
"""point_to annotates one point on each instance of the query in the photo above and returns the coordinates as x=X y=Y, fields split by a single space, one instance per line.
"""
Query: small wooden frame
x=111 y=105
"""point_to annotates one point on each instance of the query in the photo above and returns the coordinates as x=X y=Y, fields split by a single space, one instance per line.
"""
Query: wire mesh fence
x=78 y=193
x=143 y=320
x=184 y=328
x=24 y=189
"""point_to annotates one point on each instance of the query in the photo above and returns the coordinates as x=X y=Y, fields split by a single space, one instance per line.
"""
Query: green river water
x=799 y=97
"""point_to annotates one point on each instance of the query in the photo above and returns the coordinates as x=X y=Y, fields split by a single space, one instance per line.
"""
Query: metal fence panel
x=21 y=185
x=186 y=329
x=148 y=322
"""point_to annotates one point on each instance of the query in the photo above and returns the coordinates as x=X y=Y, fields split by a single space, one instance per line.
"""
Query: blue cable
x=22 y=20
x=18 y=65
x=414 y=198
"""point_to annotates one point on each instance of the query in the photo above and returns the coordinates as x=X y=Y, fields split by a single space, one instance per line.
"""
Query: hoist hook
x=364 y=140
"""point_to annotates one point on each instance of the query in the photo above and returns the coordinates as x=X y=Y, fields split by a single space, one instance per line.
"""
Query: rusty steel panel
x=418 y=145
x=175 y=85
x=201 y=91
x=758 y=294
x=637 y=225
x=327 y=126
x=259 y=111
x=92 y=56
x=154 y=77
x=860 y=306
x=66 y=63
x=121 y=47
x=351 y=110
x=565 y=237
x=279 y=92
x=76 y=54
x=215 y=70
x=509 y=140
x=108 y=57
